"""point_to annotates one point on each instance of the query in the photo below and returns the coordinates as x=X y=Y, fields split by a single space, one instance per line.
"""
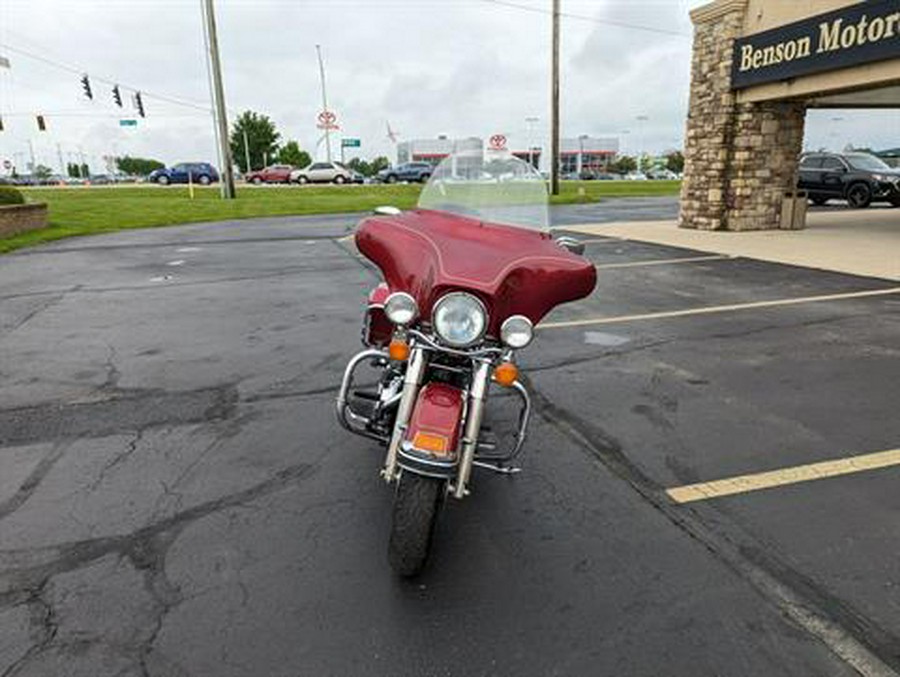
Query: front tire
x=339 y=179
x=257 y=181
x=302 y=180
x=417 y=503
x=859 y=195
x=163 y=180
x=390 y=178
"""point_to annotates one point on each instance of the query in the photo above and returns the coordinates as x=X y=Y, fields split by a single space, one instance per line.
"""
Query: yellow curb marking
x=720 y=309
x=776 y=478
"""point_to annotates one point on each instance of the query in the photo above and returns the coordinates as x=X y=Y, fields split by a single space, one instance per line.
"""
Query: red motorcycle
x=467 y=276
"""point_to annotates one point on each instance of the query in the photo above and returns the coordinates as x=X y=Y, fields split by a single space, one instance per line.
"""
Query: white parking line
x=663 y=262
x=708 y=310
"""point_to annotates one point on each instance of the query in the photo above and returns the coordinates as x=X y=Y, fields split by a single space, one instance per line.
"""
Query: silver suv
x=322 y=172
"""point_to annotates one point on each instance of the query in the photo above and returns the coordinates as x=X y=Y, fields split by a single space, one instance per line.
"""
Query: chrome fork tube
x=477 y=395
x=411 y=382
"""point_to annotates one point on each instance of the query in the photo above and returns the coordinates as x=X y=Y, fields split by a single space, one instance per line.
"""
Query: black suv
x=858 y=178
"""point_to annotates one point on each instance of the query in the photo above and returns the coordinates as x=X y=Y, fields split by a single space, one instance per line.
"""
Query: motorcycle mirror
x=571 y=244
x=386 y=210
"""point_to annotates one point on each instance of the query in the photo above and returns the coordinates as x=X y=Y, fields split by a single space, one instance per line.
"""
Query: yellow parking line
x=720 y=309
x=776 y=478
x=662 y=262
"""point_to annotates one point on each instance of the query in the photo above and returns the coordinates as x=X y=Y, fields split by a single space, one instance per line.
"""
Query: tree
x=290 y=154
x=72 y=170
x=675 y=161
x=623 y=164
x=137 y=166
x=379 y=163
x=361 y=166
x=43 y=172
x=262 y=140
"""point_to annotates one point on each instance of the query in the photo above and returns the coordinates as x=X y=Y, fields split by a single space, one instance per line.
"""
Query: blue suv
x=409 y=171
x=199 y=172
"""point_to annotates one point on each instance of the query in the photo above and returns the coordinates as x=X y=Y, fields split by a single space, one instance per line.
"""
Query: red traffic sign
x=498 y=142
x=327 y=120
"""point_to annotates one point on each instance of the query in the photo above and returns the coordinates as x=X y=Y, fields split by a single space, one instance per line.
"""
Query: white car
x=322 y=172
x=635 y=176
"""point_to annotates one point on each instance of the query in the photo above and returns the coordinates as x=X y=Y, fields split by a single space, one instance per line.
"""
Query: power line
x=583 y=17
x=82 y=71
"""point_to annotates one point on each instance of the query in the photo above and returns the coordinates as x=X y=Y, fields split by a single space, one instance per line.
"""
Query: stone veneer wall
x=16 y=219
x=740 y=159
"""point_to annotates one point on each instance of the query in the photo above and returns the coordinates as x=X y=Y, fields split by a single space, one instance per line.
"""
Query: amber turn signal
x=398 y=350
x=506 y=373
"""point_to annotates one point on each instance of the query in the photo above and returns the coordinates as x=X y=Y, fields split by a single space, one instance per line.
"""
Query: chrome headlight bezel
x=517 y=331
x=477 y=309
x=401 y=308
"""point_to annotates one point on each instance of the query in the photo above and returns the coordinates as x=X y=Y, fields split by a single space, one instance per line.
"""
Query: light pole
x=327 y=123
x=530 y=122
x=641 y=119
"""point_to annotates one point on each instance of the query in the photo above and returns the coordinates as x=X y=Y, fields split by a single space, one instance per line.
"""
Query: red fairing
x=513 y=270
x=438 y=412
x=378 y=329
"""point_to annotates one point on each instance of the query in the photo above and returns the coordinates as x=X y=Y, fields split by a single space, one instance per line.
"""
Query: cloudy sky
x=428 y=67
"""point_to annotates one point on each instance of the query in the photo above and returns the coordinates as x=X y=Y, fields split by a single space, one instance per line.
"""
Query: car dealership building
x=757 y=66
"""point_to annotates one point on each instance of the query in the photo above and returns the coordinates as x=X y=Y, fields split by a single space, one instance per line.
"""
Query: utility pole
x=324 y=103
x=246 y=153
x=554 y=106
x=227 y=183
x=62 y=165
x=31 y=153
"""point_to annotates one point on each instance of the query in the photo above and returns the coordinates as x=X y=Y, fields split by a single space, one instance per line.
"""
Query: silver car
x=322 y=172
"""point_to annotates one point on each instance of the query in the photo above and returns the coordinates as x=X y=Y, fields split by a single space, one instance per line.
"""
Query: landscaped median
x=103 y=209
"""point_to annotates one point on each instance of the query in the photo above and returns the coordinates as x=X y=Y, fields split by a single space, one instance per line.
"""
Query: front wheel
x=417 y=502
x=163 y=180
x=859 y=195
x=339 y=179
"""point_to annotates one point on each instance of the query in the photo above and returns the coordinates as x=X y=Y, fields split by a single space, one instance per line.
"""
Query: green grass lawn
x=102 y=209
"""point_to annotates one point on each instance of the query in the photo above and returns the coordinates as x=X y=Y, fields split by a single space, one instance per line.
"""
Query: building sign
x=861 y=33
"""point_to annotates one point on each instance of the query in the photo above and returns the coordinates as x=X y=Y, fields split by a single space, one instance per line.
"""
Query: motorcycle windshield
x=495 y=188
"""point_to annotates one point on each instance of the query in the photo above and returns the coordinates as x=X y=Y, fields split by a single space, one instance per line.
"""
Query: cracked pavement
x=177 y=500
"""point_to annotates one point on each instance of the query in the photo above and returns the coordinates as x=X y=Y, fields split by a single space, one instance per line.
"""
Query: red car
x=273 y=174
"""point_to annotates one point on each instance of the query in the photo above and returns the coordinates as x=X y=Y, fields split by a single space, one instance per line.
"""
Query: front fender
x=436 y=421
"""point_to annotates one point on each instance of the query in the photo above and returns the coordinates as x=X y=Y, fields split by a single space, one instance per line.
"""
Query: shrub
x=11 y=196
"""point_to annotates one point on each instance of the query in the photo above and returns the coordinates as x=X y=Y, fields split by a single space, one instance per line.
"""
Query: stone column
x=740 y=158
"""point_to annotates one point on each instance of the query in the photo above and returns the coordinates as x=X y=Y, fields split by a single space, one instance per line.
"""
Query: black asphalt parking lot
x=177 y=499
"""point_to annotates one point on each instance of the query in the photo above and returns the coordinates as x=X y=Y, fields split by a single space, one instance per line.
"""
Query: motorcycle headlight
x=517 y=331
x=401 y=308
x=459 y=319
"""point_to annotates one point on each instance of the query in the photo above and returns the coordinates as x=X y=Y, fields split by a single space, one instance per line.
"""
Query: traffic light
x=86 y=83
x=116 y=96
x=42 y=125
x=1 y=123
x=139 y=104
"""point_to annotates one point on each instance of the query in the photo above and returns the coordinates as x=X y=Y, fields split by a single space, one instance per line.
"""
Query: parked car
x=271 y=174
x=322 y=172
x=858 y=178
x=635 y=176
x=100 y=180
x=408 y=171
x=198 y=172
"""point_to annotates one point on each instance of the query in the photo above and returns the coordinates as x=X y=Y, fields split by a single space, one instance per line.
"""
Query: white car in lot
x=322 y=172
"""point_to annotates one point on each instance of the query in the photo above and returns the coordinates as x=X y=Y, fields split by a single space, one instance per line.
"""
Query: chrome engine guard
x=349 y=419
x=471 y=456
